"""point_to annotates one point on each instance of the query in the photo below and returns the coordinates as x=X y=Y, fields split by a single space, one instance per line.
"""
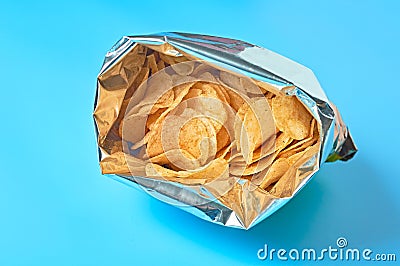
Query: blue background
x=57 y=209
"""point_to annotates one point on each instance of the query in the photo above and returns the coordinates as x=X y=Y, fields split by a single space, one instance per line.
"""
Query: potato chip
x=253 y=126
x=277 y=170
x=281 y=141
x=209 y=104
x=235 y=99
x=121 y=163
x=151 y=106
x=230 y=79
x=140 y=90
x=157 y=85
x=291 y=116
x=269 y=96
x=135 y=122
x=211 y=108
x=193 y=93
x=207 y=77
x=183 y=69
x=160 y=65
x=304 y=155
x=231 y=155
x=132 y=128
x=198 y=138
x=152 y=118
x=223 y=152
x=238 y=123
x=213 y=170
x=250 y=87
x=179 y=92
x=286 y=184
x=202 y=68
x=187 y=132
x=239 y=167
x=223 y=138
x=300 y=145
x=152 y=64
x=155 y=170
x=178 y=159
x=267 y=148
x=221 y=93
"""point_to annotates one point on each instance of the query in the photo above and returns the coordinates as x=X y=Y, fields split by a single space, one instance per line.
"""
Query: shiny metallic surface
x=243 y=206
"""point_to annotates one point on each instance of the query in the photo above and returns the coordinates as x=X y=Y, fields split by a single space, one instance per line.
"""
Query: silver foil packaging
x=221 y=128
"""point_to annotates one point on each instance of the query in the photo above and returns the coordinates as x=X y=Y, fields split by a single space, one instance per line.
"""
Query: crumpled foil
x=241 y=207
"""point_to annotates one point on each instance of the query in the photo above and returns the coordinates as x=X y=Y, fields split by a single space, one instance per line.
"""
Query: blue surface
x=57 y=209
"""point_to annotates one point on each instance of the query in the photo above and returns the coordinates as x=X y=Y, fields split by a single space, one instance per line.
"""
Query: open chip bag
x=221 y=128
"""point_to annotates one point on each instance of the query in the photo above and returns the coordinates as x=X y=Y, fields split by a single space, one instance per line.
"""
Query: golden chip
x=152 y=64
x=277 y=170
x=183 y=69
x=256 y=126
x=291 y=116
x=213 y=170
x=177 y=160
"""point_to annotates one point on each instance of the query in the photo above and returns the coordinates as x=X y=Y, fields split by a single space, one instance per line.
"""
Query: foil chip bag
x=221 y=128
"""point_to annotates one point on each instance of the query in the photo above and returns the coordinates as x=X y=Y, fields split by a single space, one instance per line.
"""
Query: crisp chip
x=277 y=169
x=152 y=64
x=291 y=116
x=178 y=159
x=152 y=118
x=285 y=185
x=187 y=132
x=236 y=101
x=239 y=167
x=300 y=145
x=253 y=127
x=212 y=170
x=230 y=79
x=223 y=138
x=123 y=164
x=132 y=128
x=179 y=92
x=183 y=69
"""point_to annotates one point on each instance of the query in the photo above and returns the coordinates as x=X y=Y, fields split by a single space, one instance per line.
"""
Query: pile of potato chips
x=187 y=121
